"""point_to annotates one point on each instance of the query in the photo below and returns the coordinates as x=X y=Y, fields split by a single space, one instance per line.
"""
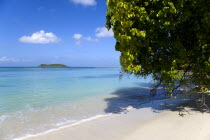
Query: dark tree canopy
x=168 y=39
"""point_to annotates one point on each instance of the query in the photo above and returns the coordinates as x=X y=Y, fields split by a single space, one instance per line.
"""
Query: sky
x=69 y=32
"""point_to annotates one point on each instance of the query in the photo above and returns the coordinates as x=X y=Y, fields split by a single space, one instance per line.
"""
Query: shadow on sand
x=139 y=97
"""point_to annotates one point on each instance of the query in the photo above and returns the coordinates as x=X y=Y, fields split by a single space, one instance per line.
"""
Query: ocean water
x=38 y=100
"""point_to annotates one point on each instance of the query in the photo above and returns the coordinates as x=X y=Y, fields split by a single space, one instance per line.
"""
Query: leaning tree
x=168 y=39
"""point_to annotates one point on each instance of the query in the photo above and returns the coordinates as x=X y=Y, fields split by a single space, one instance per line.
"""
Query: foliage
x=168 y=39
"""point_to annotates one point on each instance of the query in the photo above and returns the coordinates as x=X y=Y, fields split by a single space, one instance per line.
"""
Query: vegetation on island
x=52 y=65
x=168 y=39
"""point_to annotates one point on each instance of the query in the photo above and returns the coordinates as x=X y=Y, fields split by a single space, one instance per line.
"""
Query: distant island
x=52 y=65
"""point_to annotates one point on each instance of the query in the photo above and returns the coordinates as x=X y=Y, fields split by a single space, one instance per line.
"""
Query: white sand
x=137 y=124
x=171 y=126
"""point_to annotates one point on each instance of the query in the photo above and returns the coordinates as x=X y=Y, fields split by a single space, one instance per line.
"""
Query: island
x=52 y=65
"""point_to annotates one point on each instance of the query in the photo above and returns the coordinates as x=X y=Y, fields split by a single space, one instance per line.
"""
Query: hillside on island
x=52 y=65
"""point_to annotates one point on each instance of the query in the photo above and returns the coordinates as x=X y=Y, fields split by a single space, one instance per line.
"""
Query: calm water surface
x=36 y=100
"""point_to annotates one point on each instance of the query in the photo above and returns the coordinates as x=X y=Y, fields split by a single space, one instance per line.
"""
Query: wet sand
x=143 y=123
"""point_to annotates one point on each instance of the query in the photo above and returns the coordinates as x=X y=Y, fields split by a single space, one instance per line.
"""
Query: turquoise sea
x=37 y=100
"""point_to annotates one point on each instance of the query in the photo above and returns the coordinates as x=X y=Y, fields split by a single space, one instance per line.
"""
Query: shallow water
x=36 y=100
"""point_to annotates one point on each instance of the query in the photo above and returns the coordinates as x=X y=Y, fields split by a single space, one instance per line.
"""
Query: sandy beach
x=144 y=123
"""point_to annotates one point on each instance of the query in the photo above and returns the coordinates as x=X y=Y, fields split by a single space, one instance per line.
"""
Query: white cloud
x=11 y=59
x=85 y=2
x=90 y=39
x=104 y=32
x=59 y=57
x=40 y=8
x=40 y=37
x=77 y=36
x=78 y=42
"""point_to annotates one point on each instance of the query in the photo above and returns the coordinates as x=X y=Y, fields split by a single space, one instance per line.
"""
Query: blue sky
x=70 y=32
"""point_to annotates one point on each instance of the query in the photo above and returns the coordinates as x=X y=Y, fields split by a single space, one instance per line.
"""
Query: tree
x=168 y=39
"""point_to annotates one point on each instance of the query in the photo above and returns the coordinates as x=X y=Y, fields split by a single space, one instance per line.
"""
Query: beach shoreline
x=135 y=124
